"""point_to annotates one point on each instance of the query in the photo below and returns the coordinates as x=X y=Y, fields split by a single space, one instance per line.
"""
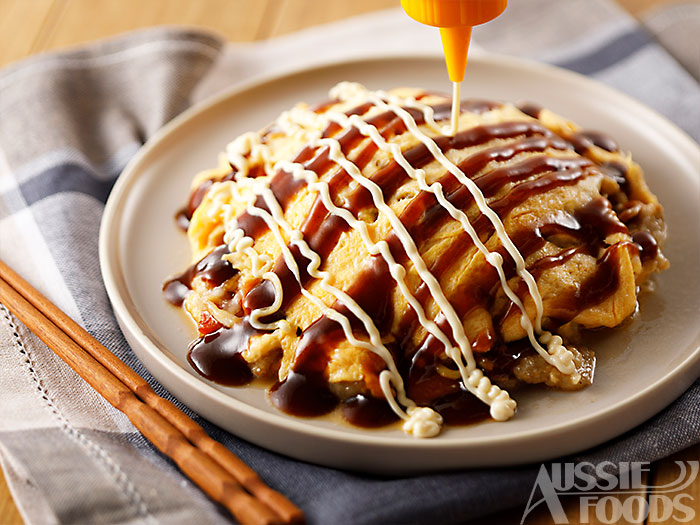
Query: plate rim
x=112 y=272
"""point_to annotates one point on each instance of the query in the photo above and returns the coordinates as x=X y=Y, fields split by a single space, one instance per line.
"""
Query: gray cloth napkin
x=68 y=124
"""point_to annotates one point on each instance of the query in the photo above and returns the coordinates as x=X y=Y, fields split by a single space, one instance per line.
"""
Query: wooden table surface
x=33 y=26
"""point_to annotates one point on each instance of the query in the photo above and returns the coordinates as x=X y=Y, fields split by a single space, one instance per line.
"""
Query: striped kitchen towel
x=68 y=124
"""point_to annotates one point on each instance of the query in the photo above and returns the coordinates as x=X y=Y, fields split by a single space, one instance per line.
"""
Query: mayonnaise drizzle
x=455 y=108
x=248 y=150
x=502 y=406
x=556 y=353
x=277 y=222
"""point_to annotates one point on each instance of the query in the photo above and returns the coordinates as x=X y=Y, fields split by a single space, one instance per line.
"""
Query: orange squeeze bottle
x=455 y=18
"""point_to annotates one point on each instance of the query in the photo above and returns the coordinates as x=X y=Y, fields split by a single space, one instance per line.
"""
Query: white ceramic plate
x=642 y=367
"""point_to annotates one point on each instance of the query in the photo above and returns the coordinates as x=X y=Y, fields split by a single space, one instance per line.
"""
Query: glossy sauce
x=217 y=356
x=305 y=391
x=648 y=247
x=531 y=109
x=583 y=141
x=182 y=219
x=212 y=268
x=367 y=411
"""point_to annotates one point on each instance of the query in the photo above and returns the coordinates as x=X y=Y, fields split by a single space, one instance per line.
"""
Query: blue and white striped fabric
x=68 y=125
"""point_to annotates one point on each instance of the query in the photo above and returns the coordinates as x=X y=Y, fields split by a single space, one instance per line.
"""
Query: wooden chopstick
x=208 y=463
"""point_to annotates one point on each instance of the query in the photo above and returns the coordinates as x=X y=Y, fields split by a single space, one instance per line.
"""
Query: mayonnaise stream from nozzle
x=455 y=18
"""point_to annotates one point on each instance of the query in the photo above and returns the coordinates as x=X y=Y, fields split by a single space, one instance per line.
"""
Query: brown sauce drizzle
x=531 y=109
x=434 y=215
x=502 y=358
x=596 y=221
x=583 y=141
x=263 y=295
x=175 y=290
x=184 y=215
x=301 y=392
x=461 y=408
x=618 y=172
x=423 y=382
x=589 y=226
x=305 y=392
x=427 y=387
x=212 y=268
x=217 y=356
x=367 y=411
x=461 y=198
x=182 y=219
x=322 y=107
x=551 y=261
x=648 y=247
x=196 y=198
x=303 y=395
x=597 y=288
x=321 y=229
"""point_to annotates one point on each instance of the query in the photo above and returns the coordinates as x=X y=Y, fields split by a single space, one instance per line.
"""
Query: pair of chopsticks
x=215 y=469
